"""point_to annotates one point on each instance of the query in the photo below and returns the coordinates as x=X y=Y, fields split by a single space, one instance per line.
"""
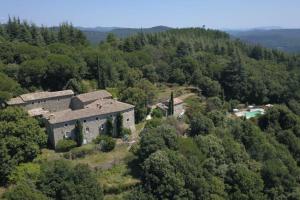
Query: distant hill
x=282 y=39
x=97 y=34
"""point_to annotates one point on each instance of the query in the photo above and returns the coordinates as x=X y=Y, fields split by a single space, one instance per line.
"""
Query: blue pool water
x=251 y=114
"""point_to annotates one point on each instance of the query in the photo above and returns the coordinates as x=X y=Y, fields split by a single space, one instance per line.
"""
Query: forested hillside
x=221 y=157
x=96 y=35
x=287 y=40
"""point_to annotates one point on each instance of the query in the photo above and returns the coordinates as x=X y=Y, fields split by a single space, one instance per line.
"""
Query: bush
x=126 y=131
x=80 y=152
x=153 y=123
x=65 y=145
x=106 y=143
x=157 y=113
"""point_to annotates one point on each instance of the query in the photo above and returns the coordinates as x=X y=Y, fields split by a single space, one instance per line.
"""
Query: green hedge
x=65 y=145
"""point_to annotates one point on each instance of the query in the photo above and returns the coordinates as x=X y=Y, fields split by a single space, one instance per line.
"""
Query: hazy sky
x=147 y=13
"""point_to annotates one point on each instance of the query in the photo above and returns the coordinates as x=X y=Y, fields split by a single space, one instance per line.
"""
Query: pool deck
x=250 y=113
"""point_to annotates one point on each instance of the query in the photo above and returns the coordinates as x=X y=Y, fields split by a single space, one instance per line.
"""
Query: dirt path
x=185 y=96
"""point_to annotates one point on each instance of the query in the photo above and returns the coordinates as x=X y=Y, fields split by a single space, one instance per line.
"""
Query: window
x=102 y=127
x=87 y=129
x=67 y=135
x=66 y=124
x=57 y=99
x=97 y=118
x=128 y=119
x=84 y=121
x=32 y=103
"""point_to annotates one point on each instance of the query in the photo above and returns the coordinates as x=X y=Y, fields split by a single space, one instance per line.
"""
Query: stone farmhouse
x=60 y=110
x=178 y=107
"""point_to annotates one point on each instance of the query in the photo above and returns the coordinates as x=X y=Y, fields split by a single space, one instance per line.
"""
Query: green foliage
x=25 y=171
x=126 y=132
x=158 y=138
x=109 y=126
x=24 y=191
x=171 y=105
x=65 y=145
x=80 y=152
x=243 y=183
x=157 y=113
x=106 y=143
x=78 y=133
x=201 y=125
x=138 y=98
x=21 y=140
x=61 y=179
x=8 y=88
x=119 y=124
x=153 y=123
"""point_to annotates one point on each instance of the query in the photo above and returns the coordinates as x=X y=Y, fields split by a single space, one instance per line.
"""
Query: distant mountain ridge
x=287 y=40
x=98 y=34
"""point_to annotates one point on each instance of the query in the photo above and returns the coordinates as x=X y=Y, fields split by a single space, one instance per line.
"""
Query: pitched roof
x=15 y=101
x=92 y=96
x=37 y=112
x=38 y=95
x=45 y=95
x=99 y=107
x=177 y=101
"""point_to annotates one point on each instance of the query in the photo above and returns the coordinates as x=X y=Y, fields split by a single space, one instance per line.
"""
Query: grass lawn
x=106 y=159
x=117 y=179
x=2 y=190
x=164 y=91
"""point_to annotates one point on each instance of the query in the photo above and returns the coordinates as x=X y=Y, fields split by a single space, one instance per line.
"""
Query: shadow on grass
x=134 y=167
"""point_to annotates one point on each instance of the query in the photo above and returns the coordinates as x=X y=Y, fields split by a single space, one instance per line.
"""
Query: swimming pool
x=253 y=113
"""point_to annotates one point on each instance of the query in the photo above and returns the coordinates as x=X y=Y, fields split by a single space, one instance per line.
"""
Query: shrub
x=106 y=143
x=65 y=145
x=157 y=113
x=126 y=131
x=80 y=152
x=153 y=123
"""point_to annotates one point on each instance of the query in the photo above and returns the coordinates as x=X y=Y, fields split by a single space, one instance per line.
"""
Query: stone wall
x=76 y=104
x=92 y=127
x=51 y=104
x=178 y=109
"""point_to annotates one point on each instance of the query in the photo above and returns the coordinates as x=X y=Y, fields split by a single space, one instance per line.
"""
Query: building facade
x=178 y=107
x=61 y=110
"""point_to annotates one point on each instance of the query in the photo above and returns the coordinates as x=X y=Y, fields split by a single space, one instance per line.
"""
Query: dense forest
x=221 y=157
x=287 y=40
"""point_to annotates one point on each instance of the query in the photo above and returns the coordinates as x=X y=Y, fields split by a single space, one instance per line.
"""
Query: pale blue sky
x=147 y=13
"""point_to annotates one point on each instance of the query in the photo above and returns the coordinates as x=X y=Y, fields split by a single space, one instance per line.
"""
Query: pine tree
x=79 y=133
x=37 y=38
x=25 y=34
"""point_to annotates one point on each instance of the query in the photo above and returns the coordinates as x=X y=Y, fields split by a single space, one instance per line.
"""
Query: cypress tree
x=78 y=133
x=171 y=105
x=109 y=126
x=119 y=124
